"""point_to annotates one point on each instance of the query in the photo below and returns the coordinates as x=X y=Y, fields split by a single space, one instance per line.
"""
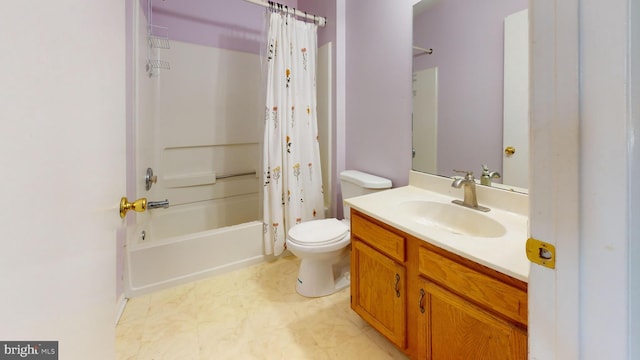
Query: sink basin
x=453 y=218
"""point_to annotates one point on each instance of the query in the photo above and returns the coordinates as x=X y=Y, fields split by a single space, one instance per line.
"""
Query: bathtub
x=182 y=244
x=199 y=127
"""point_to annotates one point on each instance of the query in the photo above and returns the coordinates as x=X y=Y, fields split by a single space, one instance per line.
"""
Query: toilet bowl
x=323 y=245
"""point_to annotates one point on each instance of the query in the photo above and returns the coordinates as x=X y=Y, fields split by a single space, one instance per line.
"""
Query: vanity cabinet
x=467 y=313
x=431 y=303
x=378 y=278
x=454 y=328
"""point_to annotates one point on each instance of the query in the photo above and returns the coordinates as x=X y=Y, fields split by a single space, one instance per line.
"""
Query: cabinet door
x=451 y=328
x=378 y=291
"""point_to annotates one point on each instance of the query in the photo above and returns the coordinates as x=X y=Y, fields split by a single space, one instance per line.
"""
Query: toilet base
x=321 y=277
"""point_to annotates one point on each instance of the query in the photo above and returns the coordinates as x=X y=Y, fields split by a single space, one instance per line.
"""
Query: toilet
x=323 y=245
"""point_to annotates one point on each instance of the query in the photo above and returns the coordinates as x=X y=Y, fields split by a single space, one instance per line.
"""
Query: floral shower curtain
x=291 y=154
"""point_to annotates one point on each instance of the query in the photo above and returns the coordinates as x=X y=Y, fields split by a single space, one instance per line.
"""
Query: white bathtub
x=195 y=146
x=177 y=248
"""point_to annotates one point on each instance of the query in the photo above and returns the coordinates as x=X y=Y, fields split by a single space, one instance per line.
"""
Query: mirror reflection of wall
x=467 y=38
x=515 y=127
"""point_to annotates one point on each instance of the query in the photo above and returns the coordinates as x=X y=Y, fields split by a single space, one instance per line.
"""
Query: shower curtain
x=291 y=155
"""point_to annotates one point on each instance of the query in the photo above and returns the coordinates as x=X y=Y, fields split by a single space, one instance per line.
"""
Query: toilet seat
x=318 y=232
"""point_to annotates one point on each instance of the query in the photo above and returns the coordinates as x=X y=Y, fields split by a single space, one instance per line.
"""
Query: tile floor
x=252 y=313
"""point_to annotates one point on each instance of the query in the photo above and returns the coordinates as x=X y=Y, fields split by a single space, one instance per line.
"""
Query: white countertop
x=505 y=254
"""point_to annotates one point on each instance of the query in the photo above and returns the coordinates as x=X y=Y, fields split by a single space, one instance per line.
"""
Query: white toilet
x=322 y=245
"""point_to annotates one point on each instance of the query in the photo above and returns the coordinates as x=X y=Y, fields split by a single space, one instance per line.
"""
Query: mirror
x=470 y=63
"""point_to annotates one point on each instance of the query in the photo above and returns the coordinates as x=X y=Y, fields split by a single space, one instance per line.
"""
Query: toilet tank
x=355 y=183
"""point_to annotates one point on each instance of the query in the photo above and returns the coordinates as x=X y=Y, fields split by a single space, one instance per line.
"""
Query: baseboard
x=120 y=305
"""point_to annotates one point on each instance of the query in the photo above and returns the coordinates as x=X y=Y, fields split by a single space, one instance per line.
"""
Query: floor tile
x=251 y=313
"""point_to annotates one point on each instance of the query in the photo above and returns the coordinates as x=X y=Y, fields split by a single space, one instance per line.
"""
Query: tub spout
x=158 y=204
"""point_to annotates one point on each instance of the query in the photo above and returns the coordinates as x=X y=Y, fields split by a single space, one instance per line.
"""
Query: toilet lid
x=318 y=232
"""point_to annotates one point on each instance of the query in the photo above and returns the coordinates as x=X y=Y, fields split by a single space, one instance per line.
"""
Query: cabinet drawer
x=473 y=285
x=385 y=241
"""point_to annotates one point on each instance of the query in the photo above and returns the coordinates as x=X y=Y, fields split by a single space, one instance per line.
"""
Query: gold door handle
x=509 y=150
x=139 y=205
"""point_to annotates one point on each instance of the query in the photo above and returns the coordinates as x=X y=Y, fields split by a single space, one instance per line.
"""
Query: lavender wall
x=467 y=37
x=227 y=24
x=326 y=8
x=378 y=88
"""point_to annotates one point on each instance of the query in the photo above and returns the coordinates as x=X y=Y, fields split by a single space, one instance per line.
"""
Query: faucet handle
x=468 y=174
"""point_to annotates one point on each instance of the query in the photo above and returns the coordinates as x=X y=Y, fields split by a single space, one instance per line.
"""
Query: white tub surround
x=504 y=252
x=161 y=263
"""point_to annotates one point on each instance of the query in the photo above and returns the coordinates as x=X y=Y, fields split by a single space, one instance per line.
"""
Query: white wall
x=207 y=121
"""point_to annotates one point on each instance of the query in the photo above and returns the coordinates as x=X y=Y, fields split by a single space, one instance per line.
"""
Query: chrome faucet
x=468 y=184
x=158 y=204
x=488 y=175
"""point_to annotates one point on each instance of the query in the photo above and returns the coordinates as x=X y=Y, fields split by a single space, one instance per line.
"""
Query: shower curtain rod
x=422 y=51
x=320 y=20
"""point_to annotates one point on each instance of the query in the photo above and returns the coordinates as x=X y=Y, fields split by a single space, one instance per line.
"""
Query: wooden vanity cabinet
x=378 y=278
x=431 y=303
x=454 y=328
x=467 y=311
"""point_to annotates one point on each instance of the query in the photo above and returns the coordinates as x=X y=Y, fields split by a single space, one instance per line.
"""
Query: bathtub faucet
x=158 y=204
